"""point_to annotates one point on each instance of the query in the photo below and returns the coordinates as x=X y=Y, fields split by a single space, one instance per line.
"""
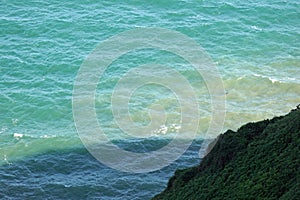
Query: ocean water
x=254 y=44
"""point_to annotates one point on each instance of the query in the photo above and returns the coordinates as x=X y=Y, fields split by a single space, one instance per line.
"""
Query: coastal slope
x=260 y=160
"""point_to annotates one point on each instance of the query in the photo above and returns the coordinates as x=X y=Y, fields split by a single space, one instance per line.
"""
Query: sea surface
x=255 y=46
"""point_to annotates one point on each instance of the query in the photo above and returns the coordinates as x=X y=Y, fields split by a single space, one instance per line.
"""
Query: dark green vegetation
x=259 y=161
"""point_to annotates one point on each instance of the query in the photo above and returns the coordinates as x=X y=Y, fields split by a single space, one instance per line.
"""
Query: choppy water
x=255 y=46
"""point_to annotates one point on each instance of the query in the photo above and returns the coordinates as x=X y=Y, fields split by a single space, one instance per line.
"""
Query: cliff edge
x=260 y=160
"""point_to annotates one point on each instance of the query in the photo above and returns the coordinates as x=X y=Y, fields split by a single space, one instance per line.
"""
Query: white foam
x=175 y=127
x=3 y=129
x=44 y=136
x=163 y=129
x=18 y=135
x=273 y=80
x=291 y=79
x=256 y=28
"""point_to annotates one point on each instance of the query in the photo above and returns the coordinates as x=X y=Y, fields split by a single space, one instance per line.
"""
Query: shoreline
x=245 y=164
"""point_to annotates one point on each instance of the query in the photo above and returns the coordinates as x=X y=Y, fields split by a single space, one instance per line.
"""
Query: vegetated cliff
x=259 y=161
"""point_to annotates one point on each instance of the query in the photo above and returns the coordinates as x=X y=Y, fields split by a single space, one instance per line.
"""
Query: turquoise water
x=255 y=46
